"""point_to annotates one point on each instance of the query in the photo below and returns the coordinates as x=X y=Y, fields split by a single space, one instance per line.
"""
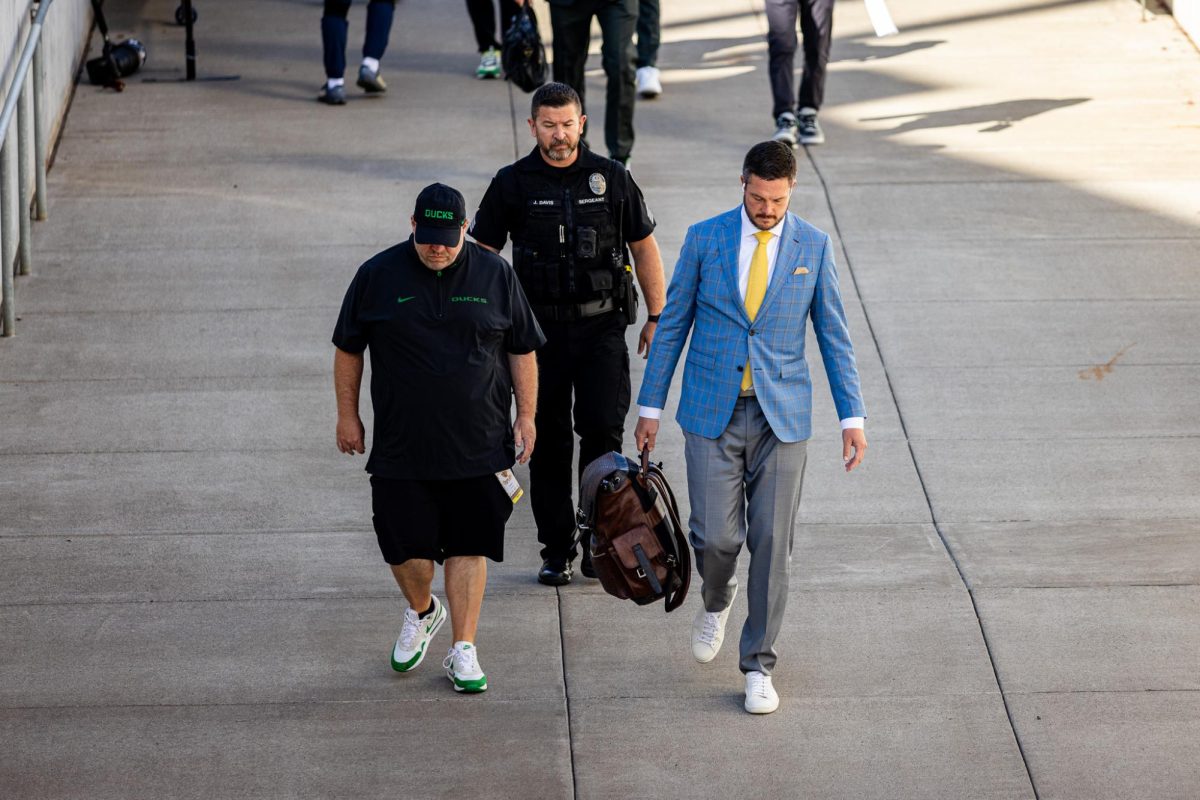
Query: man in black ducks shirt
x=451 y=339
x=571 y=214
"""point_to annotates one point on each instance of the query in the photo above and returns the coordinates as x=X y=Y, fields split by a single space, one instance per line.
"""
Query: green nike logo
x=405 y=299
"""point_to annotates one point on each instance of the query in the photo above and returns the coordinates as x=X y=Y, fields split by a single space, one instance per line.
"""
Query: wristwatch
x=653 y=317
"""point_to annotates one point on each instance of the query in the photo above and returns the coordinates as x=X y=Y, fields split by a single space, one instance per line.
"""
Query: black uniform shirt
x=502 y=211
x=440 y=381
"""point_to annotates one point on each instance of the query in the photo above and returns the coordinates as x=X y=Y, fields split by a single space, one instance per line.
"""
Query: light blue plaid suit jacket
x=703 y=298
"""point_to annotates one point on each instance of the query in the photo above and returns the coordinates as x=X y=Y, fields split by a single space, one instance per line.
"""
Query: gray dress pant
x=745 y=488
x=816 y=25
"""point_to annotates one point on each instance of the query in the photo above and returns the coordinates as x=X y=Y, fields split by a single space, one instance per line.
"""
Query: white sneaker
x=648 y=84
x=708 y=631
x=462 y=668
x=414 y=637
x=761 y=697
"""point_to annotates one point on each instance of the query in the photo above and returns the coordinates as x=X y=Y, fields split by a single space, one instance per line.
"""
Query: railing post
x=39 y=132
x=14 y=220
x=8 y=236
x=24 y=157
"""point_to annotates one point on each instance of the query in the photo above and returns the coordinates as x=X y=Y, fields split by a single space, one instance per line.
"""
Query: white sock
x=371 y=64
x=332 y=82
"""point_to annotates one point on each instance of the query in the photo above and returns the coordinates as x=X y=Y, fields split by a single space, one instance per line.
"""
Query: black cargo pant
x=587 y=358
x=816 y=26
x=483 y=20
x=572 y=27
x=649 y=31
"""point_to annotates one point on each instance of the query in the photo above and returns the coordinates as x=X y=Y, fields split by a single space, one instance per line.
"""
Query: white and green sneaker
x=489 y=64
x=414 y=637
x=462 y=668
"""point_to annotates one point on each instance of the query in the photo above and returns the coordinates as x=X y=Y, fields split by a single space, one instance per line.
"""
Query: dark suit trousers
x=816 y=24
x=572 y=25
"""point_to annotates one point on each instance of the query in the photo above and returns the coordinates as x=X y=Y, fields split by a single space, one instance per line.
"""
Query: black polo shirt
x=502 y=211
x=440 y=381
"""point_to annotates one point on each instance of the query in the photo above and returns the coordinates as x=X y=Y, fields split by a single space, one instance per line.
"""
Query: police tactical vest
x=570 y=250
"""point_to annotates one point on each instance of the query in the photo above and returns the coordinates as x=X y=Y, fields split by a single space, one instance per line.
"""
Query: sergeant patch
x=597 y=183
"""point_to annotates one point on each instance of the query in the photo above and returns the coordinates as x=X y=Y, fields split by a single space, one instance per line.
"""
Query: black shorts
x=437 y=520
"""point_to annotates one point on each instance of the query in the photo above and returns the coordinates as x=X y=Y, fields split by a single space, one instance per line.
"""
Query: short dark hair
x=554 y=95
x=770 y=161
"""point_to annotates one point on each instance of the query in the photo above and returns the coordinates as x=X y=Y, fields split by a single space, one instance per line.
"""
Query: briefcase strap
x=654 y=479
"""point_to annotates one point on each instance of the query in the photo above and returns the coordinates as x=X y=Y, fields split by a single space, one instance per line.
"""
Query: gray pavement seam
x=849 y=269
x=190 y=310
x=1106 y=691
x=1068 y=437
x=91 y=535
x=999 y=301
x=158 y=381
x=562 y=653
x=430 y=699
x=95 y=535
x=494 y=591
x=85 y=533
x=453 y=698
x=147 y=450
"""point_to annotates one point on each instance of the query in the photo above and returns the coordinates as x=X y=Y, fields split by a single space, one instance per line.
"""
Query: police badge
x=597 y=183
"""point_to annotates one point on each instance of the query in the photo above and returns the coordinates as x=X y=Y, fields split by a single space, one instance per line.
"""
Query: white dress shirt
x=747 y=245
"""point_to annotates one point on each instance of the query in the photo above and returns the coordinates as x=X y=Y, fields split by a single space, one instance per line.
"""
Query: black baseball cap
x=440 y=214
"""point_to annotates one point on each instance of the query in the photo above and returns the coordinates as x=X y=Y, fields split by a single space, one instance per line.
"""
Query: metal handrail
x=22 y=104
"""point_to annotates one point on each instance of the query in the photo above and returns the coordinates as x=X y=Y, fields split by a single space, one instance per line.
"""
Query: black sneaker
x=555 y=572
x=369 y=81
x=332 y=95
x=585 y=563
x=808 y=127
x=785 y=128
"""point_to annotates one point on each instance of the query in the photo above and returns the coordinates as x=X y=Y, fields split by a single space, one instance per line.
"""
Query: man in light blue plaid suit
x=744 y=286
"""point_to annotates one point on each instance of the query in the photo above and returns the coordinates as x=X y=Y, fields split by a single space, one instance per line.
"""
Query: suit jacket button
x=751 y=332
x=738 y=367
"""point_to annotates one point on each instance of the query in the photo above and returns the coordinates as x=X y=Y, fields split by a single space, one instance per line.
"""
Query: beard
x=562 y=153
x=762 y=222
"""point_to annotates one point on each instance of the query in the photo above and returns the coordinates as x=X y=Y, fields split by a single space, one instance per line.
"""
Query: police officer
x=570 y=214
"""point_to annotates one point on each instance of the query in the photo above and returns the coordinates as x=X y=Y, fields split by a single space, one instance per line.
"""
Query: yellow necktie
x=756 y=290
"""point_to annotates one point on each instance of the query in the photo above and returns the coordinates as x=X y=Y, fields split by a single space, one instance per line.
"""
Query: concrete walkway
x=1004 y=602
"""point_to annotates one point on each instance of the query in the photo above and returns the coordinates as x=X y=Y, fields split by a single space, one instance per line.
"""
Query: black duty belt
x=570 y=312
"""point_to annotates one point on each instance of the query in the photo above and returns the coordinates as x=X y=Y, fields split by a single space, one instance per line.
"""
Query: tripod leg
x=189 y=40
